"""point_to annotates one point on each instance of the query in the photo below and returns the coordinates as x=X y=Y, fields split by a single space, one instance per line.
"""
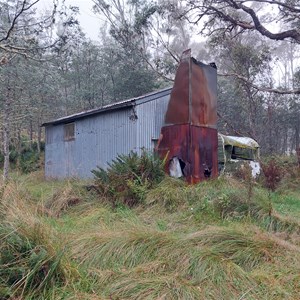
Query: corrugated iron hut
x=76 y=144
x=184 y=122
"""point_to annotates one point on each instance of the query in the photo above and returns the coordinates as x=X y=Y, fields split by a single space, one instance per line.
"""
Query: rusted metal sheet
x=191 y=119
x=194 y=146
x=194 y=94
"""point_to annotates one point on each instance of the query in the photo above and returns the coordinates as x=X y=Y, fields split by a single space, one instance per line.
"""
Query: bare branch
x=228 y=123
x=217 y=9
x=262 y=89
x=293 y=33
x=285 y=5
x=17 y=15
x=173 y=55
x=155 y=70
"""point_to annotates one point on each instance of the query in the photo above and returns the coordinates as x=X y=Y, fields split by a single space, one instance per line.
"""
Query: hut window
x=69 y=132
x=49 y=136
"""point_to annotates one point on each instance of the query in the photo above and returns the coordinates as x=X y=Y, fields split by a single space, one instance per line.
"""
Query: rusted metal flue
x=190 y=135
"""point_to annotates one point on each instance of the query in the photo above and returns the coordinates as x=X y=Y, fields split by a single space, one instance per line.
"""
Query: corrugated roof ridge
x=104 y=108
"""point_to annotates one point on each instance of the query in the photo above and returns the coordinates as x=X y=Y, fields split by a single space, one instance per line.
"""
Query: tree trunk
x=30 y=133
x=39 y=136
x=285 y=141
x=270 y=128
x=291 y=56
x=6 y=134
x=297 y=136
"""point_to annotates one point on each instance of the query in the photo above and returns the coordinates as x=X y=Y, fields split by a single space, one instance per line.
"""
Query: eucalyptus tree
x=86 y=72
x=247 y=58
x=246 y=16
x=242 y=17
x=131 y=74
x=24 y=37
x=295 y=110
x=146 y=31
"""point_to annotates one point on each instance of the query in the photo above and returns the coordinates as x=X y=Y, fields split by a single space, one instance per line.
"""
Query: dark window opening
x=69 y=132
x=242 y=153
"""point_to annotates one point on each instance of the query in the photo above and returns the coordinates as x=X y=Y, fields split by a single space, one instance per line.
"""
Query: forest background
x=49 y=68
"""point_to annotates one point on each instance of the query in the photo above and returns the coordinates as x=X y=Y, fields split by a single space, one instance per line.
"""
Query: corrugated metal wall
x=100 y=138
x=151 y=115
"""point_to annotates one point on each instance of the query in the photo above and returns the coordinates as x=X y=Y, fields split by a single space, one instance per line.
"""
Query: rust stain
x=190 y=133
x=178 y=107
x=204 y=94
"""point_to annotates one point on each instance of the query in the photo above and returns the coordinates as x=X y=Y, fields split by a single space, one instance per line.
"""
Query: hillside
x=214 y=240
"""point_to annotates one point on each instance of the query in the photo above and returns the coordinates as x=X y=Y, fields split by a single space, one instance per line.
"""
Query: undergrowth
x=214 y=240
x=32 y=259
x=129 y=177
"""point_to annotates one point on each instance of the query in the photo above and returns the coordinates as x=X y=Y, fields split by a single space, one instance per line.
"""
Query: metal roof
x=110 y=107
x=243 y=142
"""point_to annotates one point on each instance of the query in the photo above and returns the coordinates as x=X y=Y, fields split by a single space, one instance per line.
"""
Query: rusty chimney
x=189 y=139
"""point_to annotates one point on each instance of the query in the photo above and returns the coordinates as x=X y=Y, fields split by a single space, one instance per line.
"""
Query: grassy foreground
x=215 y=240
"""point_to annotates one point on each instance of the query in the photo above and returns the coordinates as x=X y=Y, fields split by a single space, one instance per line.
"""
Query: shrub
x=25 y=157
x=272 y=174
x=29 y=161
x=128 y=177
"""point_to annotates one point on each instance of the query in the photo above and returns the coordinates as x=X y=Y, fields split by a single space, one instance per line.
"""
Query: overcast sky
x=89 y=22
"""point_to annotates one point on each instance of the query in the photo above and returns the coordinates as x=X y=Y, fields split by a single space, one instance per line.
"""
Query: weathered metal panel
x=98 y=140
x=178 y=108
x=150 y=119
x=54 y=152
x=194 y=94
x=102 y=138
x=195 y=147
x=190 y=136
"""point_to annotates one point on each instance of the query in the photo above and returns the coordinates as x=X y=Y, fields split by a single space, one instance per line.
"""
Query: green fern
x=128 y=177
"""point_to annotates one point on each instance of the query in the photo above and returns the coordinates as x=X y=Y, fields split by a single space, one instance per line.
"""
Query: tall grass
x=32 y=259
x=225 y=197
x=182 y=242
x=144 y=263
x=62 y=199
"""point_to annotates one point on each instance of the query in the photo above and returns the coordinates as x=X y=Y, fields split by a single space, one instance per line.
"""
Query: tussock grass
x=235 y=244
x=140 y=263
x=281 y=223
x=155 y=287
x=32 y=260
x=64 y=198
x=162 y=249
x=170 y=193
x=225 y=197
x=115 y=249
